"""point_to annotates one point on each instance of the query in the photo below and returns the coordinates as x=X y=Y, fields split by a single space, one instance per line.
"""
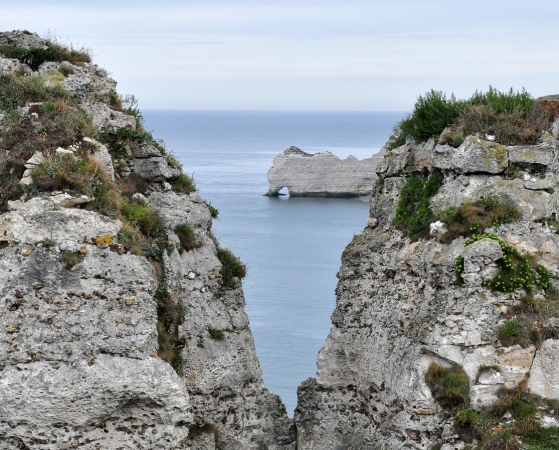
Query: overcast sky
x=306 y=54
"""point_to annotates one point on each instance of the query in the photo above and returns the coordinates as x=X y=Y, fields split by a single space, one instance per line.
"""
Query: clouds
x=374 y=55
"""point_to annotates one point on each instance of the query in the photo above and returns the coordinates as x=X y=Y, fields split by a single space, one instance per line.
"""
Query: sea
x=291 y=246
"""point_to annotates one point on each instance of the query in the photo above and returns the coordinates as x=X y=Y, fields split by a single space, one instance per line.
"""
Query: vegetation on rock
x=475 y=217
x=512 y=422
x=515 y=270
x=512 y=117
x=413 y=214
x=54 y=50
x=449 y=386
x=232 y=269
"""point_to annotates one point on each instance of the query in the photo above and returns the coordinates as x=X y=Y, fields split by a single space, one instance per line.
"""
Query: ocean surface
x=291 y=246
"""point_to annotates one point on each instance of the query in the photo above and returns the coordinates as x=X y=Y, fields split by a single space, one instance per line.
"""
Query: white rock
x=321 y=174
x=437 y=228
x=491 y=376
x=63 y=151
x=544 y=375
x=103 y=155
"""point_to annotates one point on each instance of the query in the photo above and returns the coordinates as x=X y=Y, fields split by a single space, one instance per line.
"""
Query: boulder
x=108 y=120
x=154 y=168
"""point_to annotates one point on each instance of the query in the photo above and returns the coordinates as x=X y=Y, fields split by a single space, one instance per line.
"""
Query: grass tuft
x=474 y=217
x=413 y=214
x=449 y=386
x=187 y=237
x=232 y=268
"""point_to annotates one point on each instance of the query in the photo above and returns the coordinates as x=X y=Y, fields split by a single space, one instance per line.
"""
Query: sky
x=354 y=55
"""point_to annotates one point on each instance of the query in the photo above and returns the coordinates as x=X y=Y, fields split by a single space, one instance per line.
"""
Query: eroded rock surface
x=399 y=307
x=82 y=363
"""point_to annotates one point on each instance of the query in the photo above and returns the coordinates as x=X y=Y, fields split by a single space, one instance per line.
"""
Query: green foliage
x=467 y=416
x=449 y=386
x=85 y=176
x=513 y=117
x=522 y=431
x=432 y=113
x=170 y=315
x=17 y=91
x=502 y=102
x=458 y=270
x=187 y=237
x=413 y=214
x=117 y=141
x=232 y=268
x=146 y=219
x=513 y=332
x=474 y=217
x=515 y=270
x=213 y=211
x=216 y=334
x=183 y=184
x=54 y=51
x=71 y=258
x=130 y=107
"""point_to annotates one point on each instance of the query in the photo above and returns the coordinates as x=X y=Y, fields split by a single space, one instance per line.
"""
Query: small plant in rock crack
x=72 y=258
x=216 y=334
x=187 y=237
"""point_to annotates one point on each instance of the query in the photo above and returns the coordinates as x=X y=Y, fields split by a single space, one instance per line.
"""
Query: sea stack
x=321 y=174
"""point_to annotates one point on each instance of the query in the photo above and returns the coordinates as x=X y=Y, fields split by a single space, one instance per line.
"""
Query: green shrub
x=130 y=107
x=148 y=221
x=119 y=140
x=467 y=416
x=512 y=332
x=231 y=268
x=474 y=217
x=187 y=237
x=413 y=215
x=449 y=386
x=213 y=211
x=512 y=117
x=72 y=258
x=216 y=334
x=183 y=184
x=432 y=113
x=502 y=102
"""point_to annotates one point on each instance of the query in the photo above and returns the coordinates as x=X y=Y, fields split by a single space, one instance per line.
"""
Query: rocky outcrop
x=321 y=174
x=400 y=306
x=82 y=362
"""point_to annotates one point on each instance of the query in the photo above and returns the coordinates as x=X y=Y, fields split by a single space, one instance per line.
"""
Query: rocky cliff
x=122 y=320
x=446 y=340
x=321 y=174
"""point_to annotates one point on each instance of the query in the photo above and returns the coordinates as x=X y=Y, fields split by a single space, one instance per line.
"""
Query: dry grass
x=474 y=217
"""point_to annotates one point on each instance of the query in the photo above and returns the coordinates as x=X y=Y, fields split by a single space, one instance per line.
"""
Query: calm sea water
x=291 y=246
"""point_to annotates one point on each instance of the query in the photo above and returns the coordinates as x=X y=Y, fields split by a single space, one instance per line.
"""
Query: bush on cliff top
x=512 y=117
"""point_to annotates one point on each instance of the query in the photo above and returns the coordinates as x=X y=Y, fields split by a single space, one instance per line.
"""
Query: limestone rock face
x=107 y=119
x=76 y=342
x=82 y=363
x=400 y=307
x=221 y=375
x=321 y=174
